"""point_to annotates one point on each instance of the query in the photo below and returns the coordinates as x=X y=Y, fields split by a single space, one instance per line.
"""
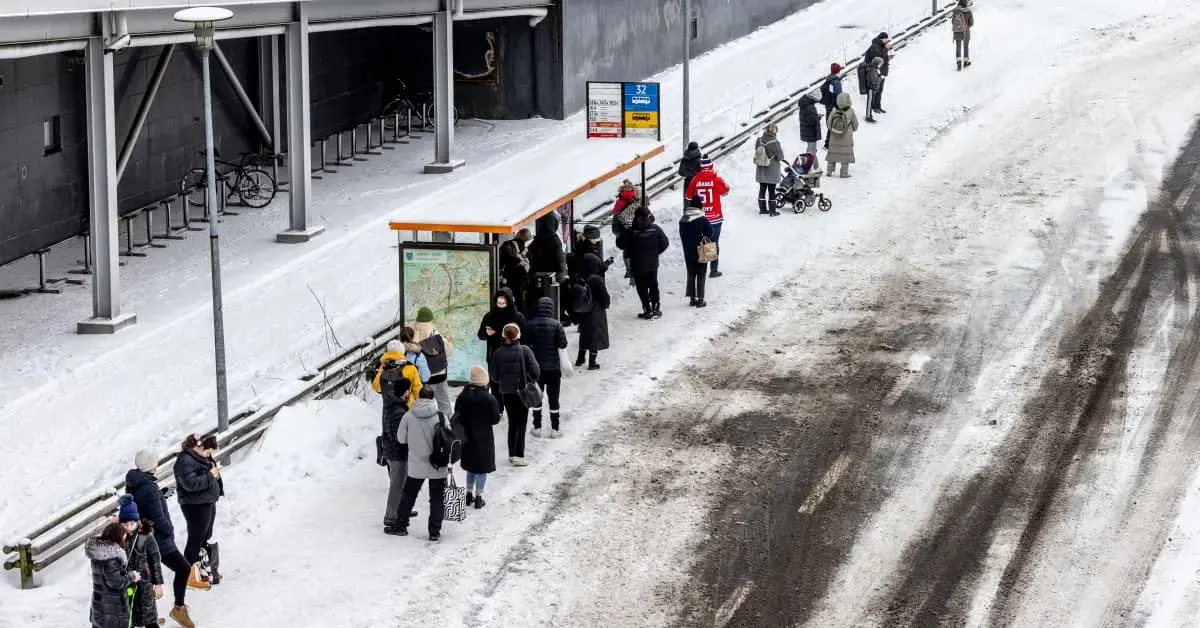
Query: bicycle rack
x=45 y=285
x=87 y=257
x=171 y=232
x=321 y=167
x=130 y=250
x=148 y=213
x=223 y=199
x=354 y=143
x=370 y=136
x=341 y=160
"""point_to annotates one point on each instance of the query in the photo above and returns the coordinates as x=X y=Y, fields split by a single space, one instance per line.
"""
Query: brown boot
x=196 y=579
x=180 y=615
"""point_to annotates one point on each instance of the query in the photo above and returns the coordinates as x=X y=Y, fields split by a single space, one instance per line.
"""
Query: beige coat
x=841 y=147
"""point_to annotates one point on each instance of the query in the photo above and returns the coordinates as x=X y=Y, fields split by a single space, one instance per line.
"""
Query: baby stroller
x=799 y=181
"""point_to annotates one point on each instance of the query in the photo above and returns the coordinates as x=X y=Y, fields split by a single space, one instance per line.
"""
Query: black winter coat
x=878 y=49
x=692 y=227
x=477 y=412
x=514 y=270
x=152 y=505
x=810 y=120
x=394 y=409
x=193 y=481
x=644 y=243
x=593 y=327
x=145 y=559
x=509 y=363
x=545 y=253
x=545 y=336
x=110 y=577
x=497 y=318
x=689 y=165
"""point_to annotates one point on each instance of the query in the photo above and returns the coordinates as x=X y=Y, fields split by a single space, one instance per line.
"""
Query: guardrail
x=68 y=529
x=666 y=178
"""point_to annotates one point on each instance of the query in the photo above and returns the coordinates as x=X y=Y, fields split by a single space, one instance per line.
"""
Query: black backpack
x=580 y=296
x=447 y=446
x=434 y=350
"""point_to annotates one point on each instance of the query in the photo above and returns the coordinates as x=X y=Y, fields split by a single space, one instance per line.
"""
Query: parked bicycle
x=419 y=104
x=246 y=182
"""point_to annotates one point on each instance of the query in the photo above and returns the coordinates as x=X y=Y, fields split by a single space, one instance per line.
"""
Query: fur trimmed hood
x=101 y=550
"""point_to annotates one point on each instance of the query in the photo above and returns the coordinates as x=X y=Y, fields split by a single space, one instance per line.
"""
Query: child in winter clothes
x=111 y=578
x=874 y=84
x=144 y=559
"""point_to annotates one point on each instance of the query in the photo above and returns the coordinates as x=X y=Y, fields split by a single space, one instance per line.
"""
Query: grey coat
x=968 y=20
x=110 y=577
x=416 y=431
x=771 y=173
x=841 y=147
x=145 y=559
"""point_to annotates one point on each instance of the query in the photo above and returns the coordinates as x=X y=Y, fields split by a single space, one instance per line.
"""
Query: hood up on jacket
x=693 y=151
x=424 y=409
x=547 y=225
x=507 y=294
x=545 y=308
x=641 y=221
x=808 y=99
x=135 y=478
x=99 y=549
x=843 y=100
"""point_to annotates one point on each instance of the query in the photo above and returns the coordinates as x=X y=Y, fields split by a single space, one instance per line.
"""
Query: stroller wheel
x=799 y=207
x=825 y=204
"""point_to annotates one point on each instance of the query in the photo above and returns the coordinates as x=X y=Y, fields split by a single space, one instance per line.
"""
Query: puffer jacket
x=841 y=146
x=546 y=336
x=546 y=253
x=145 y=559
x=152 y=505
x=689 y=165
x=409 y=371
x=394 y=409
x=416 y=430
x=810 y=120
x=508 y=364
x=111 y=576
x=644 y=243
x=194 y=482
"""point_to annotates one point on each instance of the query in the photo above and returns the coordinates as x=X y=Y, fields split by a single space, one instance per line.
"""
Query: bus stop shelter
x=456 y=277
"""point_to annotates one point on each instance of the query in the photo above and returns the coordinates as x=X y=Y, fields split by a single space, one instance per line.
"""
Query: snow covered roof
x=519 y=190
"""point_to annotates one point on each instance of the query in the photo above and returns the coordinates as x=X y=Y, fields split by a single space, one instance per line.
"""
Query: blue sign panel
x=641 y=97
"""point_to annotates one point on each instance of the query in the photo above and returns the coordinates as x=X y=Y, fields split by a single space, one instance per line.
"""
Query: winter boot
x=396 y=531
x=579 y=358
x=555 y=434
x=181 y=617
x=470 y=498
x=714 y=274
x=593 y=365
x=657 y=313
x=966 y=62
x=701 y=303
x=692 y=302
x=214 y=563
x=646 y=313
x=479 y=503
x=434 y=537
x=960 y=64
x=196 y=580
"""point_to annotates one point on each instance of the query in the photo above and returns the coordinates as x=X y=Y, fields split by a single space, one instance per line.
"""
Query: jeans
x=716 y=240
x=766 y=197
x=397 y=474
x=518 y=420
x=175 y=561
x=551 y=383
x=200 y=519
x=962 y=48
x=647 y=289
x=696 y=272
x=441 y=392
x=437 y=502
x=475 y=482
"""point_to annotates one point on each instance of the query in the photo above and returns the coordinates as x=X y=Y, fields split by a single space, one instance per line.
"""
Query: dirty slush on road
x=824 y=452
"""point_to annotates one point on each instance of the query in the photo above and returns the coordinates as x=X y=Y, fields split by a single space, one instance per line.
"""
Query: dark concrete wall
x=627 y=40
x=349 y=75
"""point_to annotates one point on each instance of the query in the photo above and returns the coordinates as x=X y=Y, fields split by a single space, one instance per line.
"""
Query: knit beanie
x=835 y=68
x=395 y=346
x=424 y=315
x=706 y=163
x=479 y=376
x=146 y=460
x=127 y=509
x=883 y=35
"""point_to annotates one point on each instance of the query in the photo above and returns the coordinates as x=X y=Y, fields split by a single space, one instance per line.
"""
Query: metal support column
x=139 y=119
x=443 y=91
x=687 y=73
x=299 y=133
x=107 y=316
x=243 y=96
x=270 y=101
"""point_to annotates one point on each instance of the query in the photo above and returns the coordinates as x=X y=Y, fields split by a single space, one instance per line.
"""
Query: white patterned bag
x=455 y=500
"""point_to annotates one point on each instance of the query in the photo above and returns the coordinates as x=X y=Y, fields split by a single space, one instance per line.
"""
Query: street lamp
x=202 y=19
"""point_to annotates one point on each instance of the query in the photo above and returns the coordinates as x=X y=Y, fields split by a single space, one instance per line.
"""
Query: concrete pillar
x=443 y=91
x=299 y=133
x=107 y=316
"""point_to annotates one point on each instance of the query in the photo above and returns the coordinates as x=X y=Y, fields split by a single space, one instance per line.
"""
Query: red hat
x=835 y=68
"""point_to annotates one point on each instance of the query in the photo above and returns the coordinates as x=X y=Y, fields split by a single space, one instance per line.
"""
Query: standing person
x=710 y=188
x=830 y=88
x=478 y=413
x=842 y=125
x=524 y=237
x=111 y=577
x=511 y=367
x=693 y=227
x=416 y=431
x=593 y=323
x=141 y=483
x=546 y=337
x=503 y=312
x=437 y=350
x=396 y=400
x=145 y=560
x=623 y=210
x=879 y=48
x=546 y=254
x=961 y=22
x=394 y=363
x=514 y=269
x=199 y=486
x=413 y=354
x=874 y=85
x=768 y=155
x=689 y=165
x=810 y=121
x=645 y=242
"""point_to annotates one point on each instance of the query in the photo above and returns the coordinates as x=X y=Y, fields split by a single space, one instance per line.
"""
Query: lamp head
x=202 y=19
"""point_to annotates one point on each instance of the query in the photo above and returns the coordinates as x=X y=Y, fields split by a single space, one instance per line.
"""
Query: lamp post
x=687 y=75
x=202 y=19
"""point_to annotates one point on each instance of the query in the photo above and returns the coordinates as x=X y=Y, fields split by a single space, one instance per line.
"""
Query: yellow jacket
x=408 y=371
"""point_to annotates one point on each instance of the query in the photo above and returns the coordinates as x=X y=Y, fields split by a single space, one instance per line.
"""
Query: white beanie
x=146 y=460
x=395 y=346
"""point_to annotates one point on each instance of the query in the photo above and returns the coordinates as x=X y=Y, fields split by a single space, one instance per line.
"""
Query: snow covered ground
x=1042 y=156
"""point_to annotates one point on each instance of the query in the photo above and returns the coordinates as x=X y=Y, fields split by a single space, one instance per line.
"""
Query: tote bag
x=455 y=501
x=706 y=251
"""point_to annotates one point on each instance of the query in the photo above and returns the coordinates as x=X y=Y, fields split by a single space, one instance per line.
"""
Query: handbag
x=529 y=392
x=565 y=365
x=706 y=251
x=455 y=500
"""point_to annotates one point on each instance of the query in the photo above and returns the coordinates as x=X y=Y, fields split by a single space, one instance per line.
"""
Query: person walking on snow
x=710 y=188
x=111 y=578
x=689 y=165
x=961 y=22
x=142 y=484
x=511 y=367
x=645 y=242
x=768 y=157
x=879 y=48
x=843 y=123
x=199 y=486
x=694 y=227
x=593 y=323
x=437 y=350
x=810 y=121
x=874 y=84
x=416 y=431
x=144 y=560
x=478 y=413
x=396 y=400
x=546 y=337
